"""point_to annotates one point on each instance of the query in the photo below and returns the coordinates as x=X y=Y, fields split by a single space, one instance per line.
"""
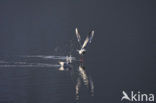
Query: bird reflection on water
x=81 y=77
x=70 y=64
x=64 y=63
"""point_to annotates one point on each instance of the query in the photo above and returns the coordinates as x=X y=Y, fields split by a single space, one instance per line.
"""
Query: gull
x=66 y=64
x=88 y=39
x=69 y=59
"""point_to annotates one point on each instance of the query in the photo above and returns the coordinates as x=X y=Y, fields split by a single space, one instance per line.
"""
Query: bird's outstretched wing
x=85 y=42
x=78 y=35
x=88 y=39
x=91 y=35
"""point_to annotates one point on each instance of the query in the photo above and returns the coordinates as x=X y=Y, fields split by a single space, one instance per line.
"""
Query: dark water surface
x=37 y=34
x=38 y=78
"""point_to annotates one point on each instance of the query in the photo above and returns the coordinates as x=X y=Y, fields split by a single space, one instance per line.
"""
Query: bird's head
x=81 y=51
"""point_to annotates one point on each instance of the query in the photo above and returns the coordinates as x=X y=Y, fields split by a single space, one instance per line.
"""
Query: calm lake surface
x=36 y=35
x=38 y=78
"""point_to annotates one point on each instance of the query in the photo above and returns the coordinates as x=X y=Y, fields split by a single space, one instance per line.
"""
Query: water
x=35 y=36
x=38 y=78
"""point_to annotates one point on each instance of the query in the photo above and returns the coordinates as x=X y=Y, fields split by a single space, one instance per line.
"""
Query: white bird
x=83 y=50
x=61 y=66
x=125 y=96
x=88 y=39
x=68 y=59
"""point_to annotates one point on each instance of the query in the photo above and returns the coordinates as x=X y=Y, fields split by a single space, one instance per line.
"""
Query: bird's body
x=69 y=59
x=81 y=51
